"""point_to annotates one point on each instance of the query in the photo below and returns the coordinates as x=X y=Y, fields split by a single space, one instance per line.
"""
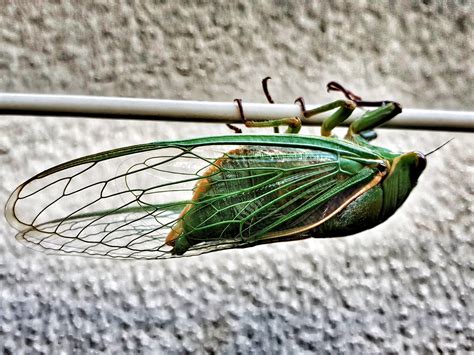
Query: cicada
x=182 y=198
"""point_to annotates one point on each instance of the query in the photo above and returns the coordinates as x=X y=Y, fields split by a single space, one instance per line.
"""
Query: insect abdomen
x=248 y=190
x=361 y=214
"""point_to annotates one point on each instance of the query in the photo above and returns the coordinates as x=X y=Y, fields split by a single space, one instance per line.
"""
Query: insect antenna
x=438 y=148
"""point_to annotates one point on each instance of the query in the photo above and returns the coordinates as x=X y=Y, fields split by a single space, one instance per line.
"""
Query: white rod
x=203 y=111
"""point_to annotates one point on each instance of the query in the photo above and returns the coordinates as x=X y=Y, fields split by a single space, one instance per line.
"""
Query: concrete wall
x=405 y=286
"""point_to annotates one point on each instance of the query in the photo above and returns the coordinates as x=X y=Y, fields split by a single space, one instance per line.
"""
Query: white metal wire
x=203 y=111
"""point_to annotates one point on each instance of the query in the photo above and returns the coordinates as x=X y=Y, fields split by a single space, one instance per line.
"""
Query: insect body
x=170 y=199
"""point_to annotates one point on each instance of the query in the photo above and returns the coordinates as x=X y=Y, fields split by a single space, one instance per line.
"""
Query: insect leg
x=374 y=118
x=234 y=128
x=345 y=109
x=368 y=135
x=269 y=98
x=265 y=90
x=300 y=100
x=334 y=86
x=242 y=117
x=293 y=123
x=363 y=127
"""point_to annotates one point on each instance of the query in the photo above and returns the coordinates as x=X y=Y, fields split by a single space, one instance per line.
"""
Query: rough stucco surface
x=405 y=286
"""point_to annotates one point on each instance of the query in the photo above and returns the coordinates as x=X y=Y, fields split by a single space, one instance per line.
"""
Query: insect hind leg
x=293 y=123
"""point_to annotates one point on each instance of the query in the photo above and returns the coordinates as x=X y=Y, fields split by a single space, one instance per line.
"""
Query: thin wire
x=213 y=112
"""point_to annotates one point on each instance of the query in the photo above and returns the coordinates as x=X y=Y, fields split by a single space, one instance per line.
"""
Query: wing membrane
x=124 y=203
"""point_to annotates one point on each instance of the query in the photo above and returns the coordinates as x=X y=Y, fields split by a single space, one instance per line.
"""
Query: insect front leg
x=362 y=128
x=372 y=119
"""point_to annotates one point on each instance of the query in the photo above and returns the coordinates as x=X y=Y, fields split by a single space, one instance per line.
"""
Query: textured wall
x=404 y=286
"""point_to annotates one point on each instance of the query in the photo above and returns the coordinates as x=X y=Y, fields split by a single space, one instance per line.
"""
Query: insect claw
x=234 y=128
x=242 y=117
x=300 y=100
x=265 y=90
x=269 y=97
x=334 y=86
x=241 y=109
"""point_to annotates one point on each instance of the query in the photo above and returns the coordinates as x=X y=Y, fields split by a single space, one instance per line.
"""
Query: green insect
x=183 y=198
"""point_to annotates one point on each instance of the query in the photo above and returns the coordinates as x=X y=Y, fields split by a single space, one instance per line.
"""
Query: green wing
x=124 y=203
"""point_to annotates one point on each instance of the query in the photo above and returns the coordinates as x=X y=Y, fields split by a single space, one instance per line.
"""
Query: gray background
x=405 y=286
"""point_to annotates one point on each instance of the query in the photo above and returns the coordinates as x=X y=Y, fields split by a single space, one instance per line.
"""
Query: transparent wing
x=119 y=203
x=124 y=203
